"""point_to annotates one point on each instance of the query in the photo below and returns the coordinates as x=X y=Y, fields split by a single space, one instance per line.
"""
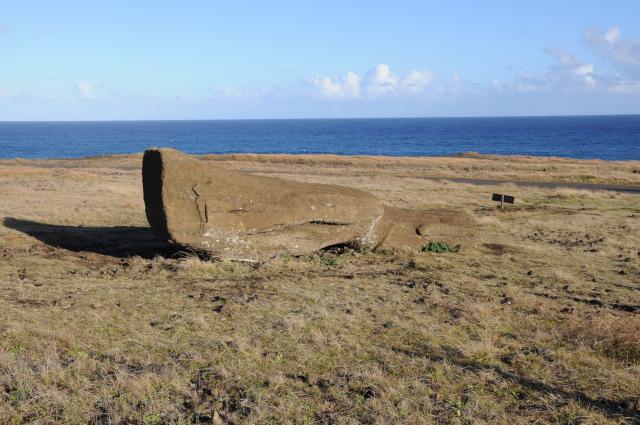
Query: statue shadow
x=612 y=409
x=117 y=241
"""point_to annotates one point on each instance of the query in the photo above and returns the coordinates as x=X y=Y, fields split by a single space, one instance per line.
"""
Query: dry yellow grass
x=535 y=322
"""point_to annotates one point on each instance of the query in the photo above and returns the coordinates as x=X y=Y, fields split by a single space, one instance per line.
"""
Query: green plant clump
x=440 y=247
x=328 y=261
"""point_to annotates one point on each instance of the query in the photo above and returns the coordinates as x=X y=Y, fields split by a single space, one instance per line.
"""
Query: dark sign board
x=503 y=198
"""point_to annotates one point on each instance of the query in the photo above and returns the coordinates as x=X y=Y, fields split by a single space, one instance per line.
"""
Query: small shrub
x=440 y=247
x=152 y=419
x=366 y=250
x=328 y=261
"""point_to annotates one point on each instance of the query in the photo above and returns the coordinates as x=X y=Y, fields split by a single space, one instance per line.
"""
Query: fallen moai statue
x=192 y=203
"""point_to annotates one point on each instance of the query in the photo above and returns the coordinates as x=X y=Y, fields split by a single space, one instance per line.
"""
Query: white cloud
x=328 y=88
x=84 y=89
x=379 y=82
x=623 y=53
x=3 y=92
x=343 y=87
x=625 y=87
x=585 y=69
x=417 y=80
x=351 y=84
x=612 y=35
x=568 y=73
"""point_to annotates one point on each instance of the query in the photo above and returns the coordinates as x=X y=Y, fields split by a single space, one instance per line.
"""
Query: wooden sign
x=503 y=198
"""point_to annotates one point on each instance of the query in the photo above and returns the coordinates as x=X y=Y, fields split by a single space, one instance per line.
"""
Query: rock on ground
x=240 y=216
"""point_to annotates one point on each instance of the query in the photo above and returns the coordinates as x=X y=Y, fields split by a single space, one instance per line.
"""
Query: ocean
x=586 y=137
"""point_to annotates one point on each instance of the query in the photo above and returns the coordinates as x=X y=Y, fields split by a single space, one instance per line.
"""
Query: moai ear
x=422 y=230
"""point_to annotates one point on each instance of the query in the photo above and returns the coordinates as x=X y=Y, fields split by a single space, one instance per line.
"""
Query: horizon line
x=318 y=118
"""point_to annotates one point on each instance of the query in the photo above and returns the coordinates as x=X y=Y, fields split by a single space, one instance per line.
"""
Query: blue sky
x=79 y=60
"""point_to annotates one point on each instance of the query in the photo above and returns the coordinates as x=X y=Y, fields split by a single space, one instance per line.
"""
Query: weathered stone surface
x=240 y=216
x=404 y=228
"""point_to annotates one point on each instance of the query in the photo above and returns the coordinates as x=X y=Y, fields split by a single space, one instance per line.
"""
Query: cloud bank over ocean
x=568 y=74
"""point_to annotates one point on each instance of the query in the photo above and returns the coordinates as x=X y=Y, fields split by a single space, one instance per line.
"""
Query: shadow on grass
x=609 y=408
x=117 y=241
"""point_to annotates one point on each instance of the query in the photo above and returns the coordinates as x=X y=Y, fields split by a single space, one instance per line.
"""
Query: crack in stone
x=203 y=214
x=279 y=227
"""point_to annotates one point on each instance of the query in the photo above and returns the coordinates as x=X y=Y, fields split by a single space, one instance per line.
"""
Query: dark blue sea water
x=604 y=137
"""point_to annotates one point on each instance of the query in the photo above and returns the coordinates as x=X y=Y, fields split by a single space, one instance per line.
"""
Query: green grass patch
x=328 y=261
x=440 y=247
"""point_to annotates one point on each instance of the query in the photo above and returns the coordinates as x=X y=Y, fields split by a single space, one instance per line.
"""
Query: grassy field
x=536 y=321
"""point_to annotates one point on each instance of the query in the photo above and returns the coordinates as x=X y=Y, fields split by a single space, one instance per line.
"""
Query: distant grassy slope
x=521 y=168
